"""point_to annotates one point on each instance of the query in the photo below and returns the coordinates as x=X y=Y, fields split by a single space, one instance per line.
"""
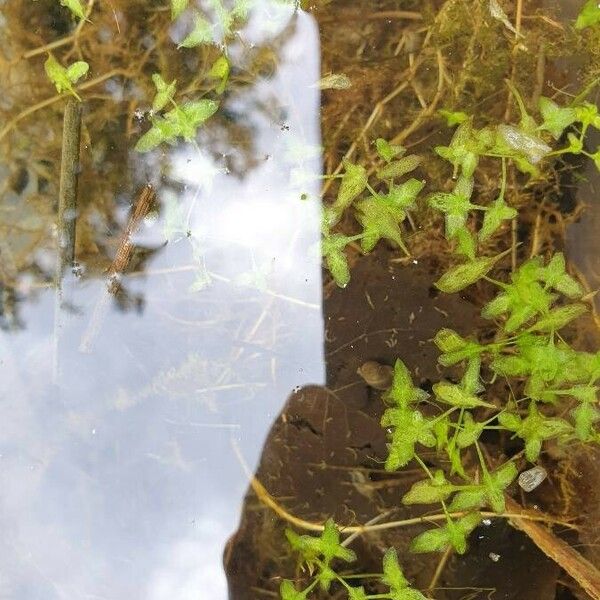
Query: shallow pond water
x=197 y=341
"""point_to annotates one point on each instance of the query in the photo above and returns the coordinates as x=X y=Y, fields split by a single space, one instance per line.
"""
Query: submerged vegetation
x=467 y=203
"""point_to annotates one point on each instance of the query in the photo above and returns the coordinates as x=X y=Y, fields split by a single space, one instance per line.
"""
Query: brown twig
x=142 y=205
x=67 y=192
x=265 y=498
x=383 y=15
x=579 y=568
x=125 y=249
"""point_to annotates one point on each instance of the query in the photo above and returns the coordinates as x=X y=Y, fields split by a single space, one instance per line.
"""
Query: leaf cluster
x=318 y=553
x=180 y=121
x=380 y=213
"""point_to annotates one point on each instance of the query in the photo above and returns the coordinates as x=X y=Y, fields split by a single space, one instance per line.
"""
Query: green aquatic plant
x=64 y=78
x=589 y=15
x=181 y=121
x=75 y=6
x=318 y=555
x=526 y=144
x=380 y=212
x=528 y=350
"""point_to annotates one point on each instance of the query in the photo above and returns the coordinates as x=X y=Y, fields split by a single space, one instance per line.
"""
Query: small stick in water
x=67 y=213
x=119 y=264
x=67 y=194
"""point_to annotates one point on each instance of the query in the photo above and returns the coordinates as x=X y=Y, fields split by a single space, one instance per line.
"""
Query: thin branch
x=265 y=498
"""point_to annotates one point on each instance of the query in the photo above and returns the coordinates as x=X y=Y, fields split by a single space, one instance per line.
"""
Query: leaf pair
x=489 y=493
x=456 y=205
x=381 y=215
x=455 y=348
x=463 y=395
x=464 y=150
x=534 y=429
x=64 y=78
x=452 y=535
x=75 y=6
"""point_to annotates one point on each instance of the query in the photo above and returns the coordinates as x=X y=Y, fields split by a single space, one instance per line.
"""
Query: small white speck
x=495 y=557
x=93 y=432
x=487 y=522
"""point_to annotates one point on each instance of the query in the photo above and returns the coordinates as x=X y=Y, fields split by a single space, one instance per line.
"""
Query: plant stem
x=67 y=194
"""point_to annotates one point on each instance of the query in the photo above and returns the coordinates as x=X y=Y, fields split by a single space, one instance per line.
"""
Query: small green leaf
x=354 y=183
x=463 y=275
x=559 y=317
x=77 y=70
x=393 y=576
x=202 y=33
x=333 y=250
x=454 y=347
x=75 y=6
x=403 y=392
x=388 y=151
x=165 y=92
x=395 y=580
x=399 y=168
x=150 y=140
x=220 y=70
x=465 y=243
x=589 y=15
x=455 y=395
x=471 y=381
x=556 y=118
x=499 y=211
x=177 y=7
x=357 y=593
x=64 y=78
x=429 y=491
x=585 y=415
x=468 y=499
x=287 y=591
x=433 y=540
x=453 y=117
